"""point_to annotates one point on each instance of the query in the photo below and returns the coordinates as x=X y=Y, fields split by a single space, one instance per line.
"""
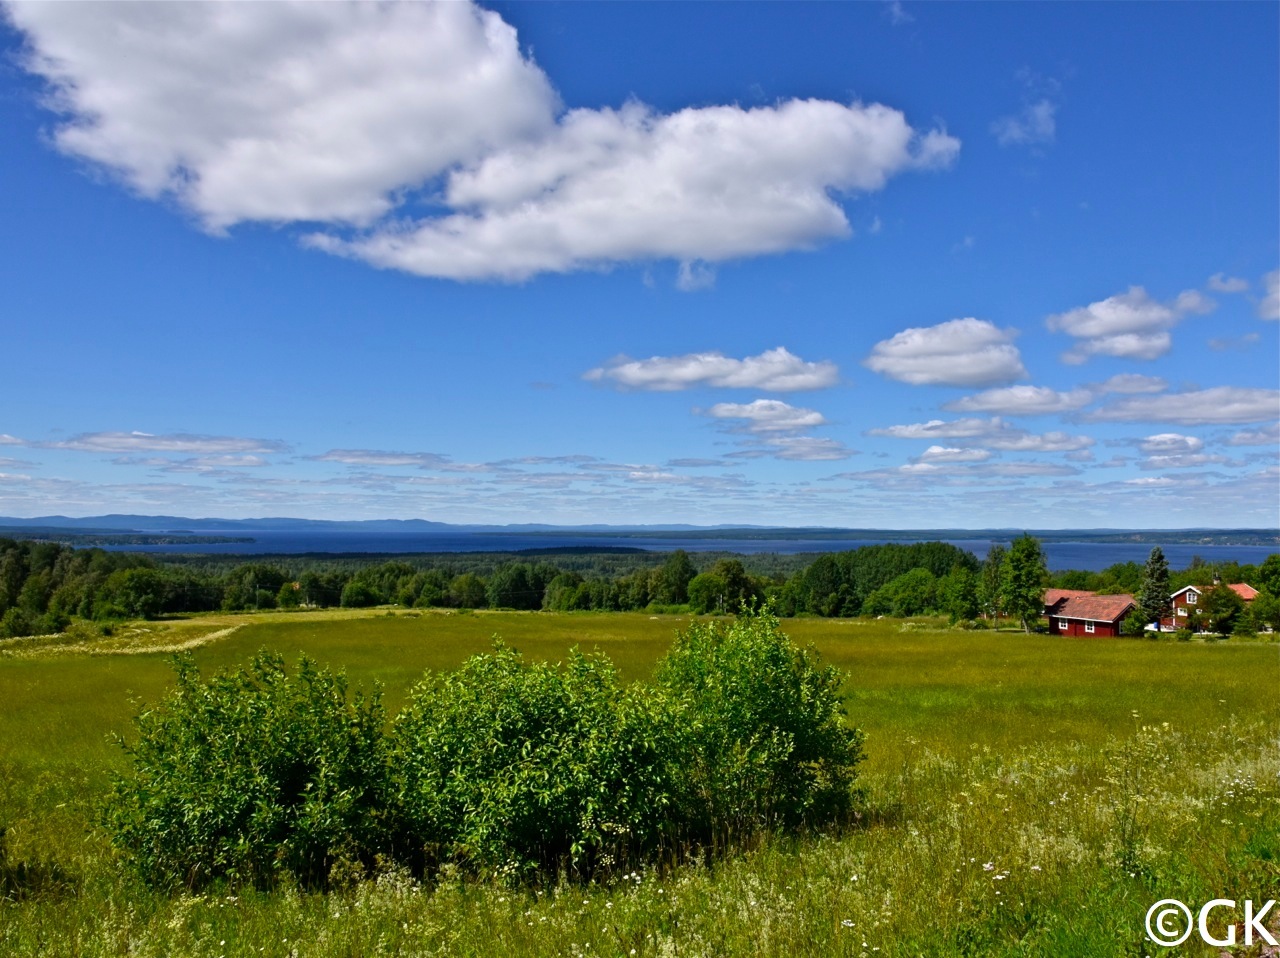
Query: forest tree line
x=44 y=586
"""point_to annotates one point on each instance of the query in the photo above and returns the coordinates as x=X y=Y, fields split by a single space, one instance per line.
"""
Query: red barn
x=1088 y=614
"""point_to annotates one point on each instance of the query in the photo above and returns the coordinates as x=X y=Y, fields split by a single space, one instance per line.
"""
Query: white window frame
x=1182 y=612
x=1088 y=627
x=1191 y=598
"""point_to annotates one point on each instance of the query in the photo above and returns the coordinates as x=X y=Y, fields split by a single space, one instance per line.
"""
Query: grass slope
x=1026 y=797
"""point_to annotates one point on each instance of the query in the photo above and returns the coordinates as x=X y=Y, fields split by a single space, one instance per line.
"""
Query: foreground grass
x=1017 y=805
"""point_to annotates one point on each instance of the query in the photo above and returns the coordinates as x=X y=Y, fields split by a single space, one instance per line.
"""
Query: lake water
x=1092 y=556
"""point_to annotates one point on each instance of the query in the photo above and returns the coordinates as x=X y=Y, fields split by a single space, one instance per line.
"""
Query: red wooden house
x=1189 y=598
x=1083 y=613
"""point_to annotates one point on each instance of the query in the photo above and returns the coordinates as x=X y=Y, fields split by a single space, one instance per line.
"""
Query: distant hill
x=201 y=530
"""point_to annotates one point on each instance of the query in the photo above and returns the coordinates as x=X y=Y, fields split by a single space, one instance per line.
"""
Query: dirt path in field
x=132 y=643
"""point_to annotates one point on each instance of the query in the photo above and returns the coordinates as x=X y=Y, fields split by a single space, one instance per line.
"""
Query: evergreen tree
x=1154 y=600
x=1023 y=581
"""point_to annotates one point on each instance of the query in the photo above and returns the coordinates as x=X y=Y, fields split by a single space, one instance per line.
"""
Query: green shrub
x=249 y=774
x=506 y=768
x=763 y=742
x=510 y=768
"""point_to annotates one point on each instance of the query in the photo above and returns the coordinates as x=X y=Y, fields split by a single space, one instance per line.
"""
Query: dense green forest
x=44 y=586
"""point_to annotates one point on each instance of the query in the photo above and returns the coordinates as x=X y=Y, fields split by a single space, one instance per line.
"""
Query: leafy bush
x=508 y=768
x=763 y=742
x=251 y=773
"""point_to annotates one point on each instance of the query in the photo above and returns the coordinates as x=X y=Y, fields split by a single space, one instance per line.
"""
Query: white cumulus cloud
x=341 y=113
x=1129 y=325
x=1171 y=443
x=775 y=370
x=283 y=111
x=1022 y=401
x=960 y=352
x=767 y=415
x=701 y=185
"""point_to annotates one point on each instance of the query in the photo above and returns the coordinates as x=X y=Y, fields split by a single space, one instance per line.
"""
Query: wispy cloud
x=1269 y=308
x=138 y=442
x=1220 y=405
x=377 y=457
x=1034 y=124
x=1130 y=383
x=1266 y=436
x=1222 y=283
x=992 y=433
x=896 y=15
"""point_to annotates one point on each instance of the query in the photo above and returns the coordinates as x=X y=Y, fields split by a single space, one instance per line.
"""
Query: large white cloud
x=339 y=113
x=1221 y=405
x=776 y=370
x=1022 y=401
x=960 y=352
x=1129 y=325
x=283 y=111
x=709 y=184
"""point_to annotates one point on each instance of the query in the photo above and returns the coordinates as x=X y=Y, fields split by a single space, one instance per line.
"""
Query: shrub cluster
x=502 y=768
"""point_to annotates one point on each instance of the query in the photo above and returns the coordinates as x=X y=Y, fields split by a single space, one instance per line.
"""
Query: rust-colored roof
x=1246 y=592
x=1095 y=608
x=1054 y=596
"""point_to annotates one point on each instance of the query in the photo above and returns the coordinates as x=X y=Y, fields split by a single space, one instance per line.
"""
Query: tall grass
x=1026 y=796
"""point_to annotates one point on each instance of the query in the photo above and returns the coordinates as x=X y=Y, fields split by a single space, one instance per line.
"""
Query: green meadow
x=1025 y=795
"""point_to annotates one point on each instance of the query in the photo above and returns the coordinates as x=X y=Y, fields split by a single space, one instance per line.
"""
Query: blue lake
x=1092 y=556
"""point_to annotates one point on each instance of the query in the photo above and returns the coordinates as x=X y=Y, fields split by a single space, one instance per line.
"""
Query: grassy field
x=1027 y=795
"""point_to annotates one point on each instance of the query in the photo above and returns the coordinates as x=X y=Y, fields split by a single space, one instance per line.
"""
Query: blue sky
x=864 y=265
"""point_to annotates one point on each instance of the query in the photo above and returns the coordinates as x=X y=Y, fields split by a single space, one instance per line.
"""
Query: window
x=1182 y=611
x=1088 y=627
x=1191 y=598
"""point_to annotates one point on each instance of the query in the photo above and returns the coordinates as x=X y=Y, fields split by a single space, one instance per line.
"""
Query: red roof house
x=1187 y=599
x=1053 y=596
x=1089 y=615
